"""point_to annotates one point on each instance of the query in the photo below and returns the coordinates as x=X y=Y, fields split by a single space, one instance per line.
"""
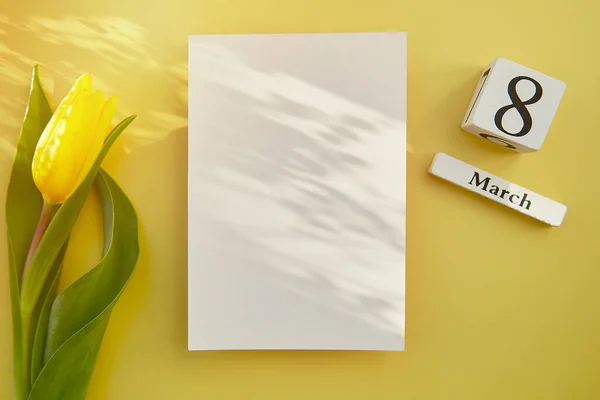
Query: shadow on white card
x=297 y=179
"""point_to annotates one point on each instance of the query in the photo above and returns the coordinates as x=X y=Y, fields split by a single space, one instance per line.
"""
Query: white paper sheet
x=297 y=191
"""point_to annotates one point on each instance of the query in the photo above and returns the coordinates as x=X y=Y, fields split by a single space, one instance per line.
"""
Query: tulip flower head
x=71 y=141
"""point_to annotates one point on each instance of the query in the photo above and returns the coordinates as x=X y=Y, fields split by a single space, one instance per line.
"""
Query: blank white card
x=297 y=189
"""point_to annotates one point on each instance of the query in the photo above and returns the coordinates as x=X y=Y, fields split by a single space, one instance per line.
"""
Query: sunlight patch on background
x=118 y=39
x=119 y=55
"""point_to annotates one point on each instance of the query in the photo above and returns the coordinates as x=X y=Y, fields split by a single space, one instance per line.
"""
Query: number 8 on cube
x=513 y=106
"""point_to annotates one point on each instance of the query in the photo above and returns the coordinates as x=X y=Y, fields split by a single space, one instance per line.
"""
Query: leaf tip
x=36 y=72
x=127 y=121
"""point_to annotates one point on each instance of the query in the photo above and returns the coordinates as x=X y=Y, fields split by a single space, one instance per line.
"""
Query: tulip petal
x=89 y=120
x=54 y=170
x=102 y=129
x=81 y=85
x=108 y=112
x=55 y=139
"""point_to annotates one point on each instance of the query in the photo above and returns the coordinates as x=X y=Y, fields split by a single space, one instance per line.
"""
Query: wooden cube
x=513 y=106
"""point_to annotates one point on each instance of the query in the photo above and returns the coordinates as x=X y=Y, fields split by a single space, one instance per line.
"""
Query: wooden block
x=513 y=106
x=497 y=189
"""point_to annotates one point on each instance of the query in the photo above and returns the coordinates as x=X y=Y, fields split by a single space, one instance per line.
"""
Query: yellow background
x=499 y=306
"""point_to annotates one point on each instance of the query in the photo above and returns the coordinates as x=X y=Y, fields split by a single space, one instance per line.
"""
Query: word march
x=497 y=191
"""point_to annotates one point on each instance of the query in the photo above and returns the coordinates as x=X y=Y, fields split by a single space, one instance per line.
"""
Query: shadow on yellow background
x=498 y=306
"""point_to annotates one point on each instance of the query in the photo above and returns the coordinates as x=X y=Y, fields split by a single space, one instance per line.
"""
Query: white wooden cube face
x=513 y=106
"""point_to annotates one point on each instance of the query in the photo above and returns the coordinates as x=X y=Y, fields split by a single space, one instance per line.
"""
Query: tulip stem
x=43 y=223
x=27 y=329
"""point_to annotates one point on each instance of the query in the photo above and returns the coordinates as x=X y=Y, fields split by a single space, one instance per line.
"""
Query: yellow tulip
x=71 y=141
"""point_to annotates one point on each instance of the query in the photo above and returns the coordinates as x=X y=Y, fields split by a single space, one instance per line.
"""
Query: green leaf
x=33 y=331
x=23 y=206
x=43 y=266
x=80 y=314
x=33 y=299
x=59 y=229
x=39 y=342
